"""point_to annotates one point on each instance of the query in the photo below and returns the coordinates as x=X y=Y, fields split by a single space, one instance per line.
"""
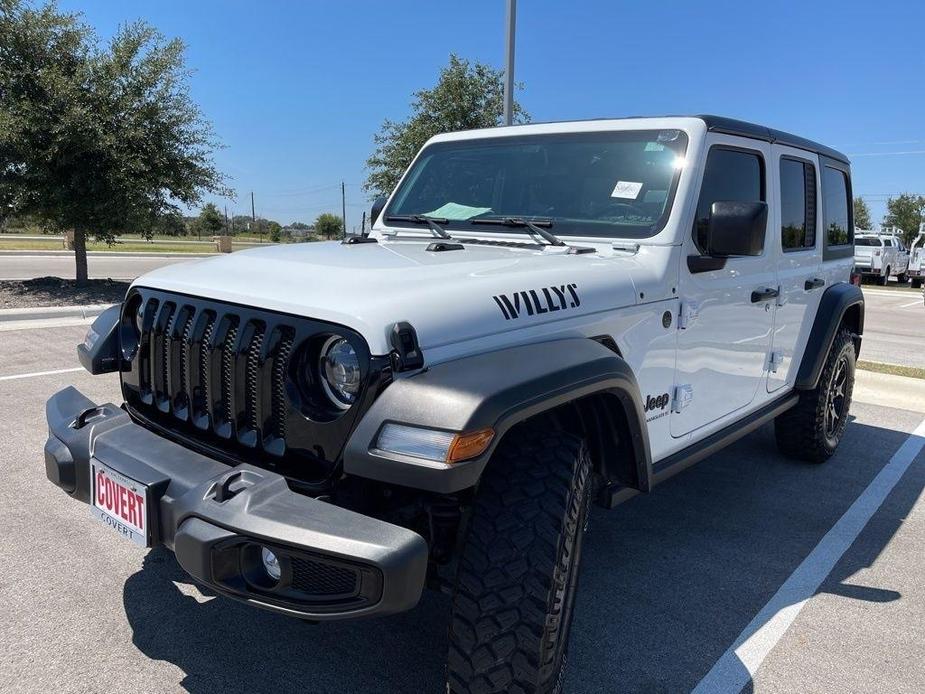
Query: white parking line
x=40 y=373
x=735 y=669
x=911 y=303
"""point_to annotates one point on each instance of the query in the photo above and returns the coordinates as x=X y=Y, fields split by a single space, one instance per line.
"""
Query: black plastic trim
x=704 y=263
x=741 y=128
x=833 y=304
x=494 y=389
x=102 y=356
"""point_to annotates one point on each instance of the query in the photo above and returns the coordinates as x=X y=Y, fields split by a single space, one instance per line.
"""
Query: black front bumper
x=336 y=563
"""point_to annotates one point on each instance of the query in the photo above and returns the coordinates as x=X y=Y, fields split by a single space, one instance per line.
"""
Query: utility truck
x=542 y=317
x=916 y=269
x=881 y=254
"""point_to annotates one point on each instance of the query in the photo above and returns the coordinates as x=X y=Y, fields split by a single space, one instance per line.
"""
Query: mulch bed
x=54 y=291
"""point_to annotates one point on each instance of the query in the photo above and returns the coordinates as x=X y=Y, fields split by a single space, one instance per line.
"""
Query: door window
x=797 y=204
x=731 y=175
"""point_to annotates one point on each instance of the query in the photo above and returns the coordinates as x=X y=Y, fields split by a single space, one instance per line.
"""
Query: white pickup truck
x=916 y=270
x=880 y=255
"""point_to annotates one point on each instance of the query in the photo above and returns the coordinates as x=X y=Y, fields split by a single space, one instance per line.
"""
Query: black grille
x=317 y=578
x=233 y=379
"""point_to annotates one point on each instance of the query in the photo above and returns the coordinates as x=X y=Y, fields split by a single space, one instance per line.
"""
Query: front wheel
x=884 y=278
x=812 y=429
x=518 y=567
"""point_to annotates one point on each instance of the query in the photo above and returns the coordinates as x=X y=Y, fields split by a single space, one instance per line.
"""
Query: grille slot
x=317 y=578
x=216 y=371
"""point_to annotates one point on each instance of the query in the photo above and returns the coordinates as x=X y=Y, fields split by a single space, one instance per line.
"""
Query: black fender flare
x=834 y=304
x=497 y=389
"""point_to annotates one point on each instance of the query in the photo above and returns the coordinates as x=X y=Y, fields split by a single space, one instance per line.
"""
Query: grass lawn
x=130 y=246
x=893 y=369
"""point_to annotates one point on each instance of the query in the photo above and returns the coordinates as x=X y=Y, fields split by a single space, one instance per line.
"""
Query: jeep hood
x=447 y=296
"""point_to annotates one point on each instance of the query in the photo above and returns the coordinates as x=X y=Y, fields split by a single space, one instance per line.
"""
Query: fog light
x=270 y=563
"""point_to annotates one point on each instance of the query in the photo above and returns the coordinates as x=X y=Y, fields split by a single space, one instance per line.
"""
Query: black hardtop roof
x=731 y=126
x=740 y=128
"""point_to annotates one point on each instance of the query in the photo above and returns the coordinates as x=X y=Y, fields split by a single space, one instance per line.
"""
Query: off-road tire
x=916 y=284
x=806 y=431
x=518 y=567
x=884 y=279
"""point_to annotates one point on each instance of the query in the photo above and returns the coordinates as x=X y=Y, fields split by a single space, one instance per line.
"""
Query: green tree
x=861 y=214
x=171 y=224
x=906 y=212
x=466 y=96
x=275 y=229
x=210 y=221
x=329 y=225
x=101 y=139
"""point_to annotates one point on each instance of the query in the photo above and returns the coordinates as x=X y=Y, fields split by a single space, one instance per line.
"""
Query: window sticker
x=654 y=147
x=629 y=190
x=457 y=212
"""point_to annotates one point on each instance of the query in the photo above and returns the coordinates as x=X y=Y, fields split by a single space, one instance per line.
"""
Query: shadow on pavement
x=669 y=581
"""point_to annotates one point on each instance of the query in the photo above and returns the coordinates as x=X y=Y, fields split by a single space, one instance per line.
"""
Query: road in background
x=117 y=267
x=894 y=327
x=669 y=579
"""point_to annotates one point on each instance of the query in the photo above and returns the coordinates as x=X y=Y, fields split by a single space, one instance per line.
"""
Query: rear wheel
x=916 y=283
x=518 y=567
x=812 y=429
x=902 y=278
x=885 y=277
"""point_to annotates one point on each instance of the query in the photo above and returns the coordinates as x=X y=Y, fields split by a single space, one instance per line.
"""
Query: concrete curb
x=46 y=312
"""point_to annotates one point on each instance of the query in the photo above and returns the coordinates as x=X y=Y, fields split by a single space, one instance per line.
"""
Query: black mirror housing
x=377 y=210
x=737 y=228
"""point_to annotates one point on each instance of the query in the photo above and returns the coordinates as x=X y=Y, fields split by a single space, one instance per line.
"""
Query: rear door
x=796 y=234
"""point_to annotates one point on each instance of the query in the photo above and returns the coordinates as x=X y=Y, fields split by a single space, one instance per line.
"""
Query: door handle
x=814 y=283
x=764 y=294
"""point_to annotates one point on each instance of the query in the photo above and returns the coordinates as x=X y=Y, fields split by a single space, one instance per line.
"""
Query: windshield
x=608 y=184
x=867 y=241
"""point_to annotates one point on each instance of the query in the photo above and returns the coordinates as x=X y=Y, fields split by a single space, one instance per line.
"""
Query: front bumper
x=214 y=516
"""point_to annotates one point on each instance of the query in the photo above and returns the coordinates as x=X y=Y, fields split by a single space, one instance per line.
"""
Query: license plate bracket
x=121 y=503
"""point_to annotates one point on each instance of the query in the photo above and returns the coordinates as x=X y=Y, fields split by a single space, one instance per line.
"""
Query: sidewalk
x=886 y=390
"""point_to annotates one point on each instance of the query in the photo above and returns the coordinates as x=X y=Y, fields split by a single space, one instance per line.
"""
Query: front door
x=726 y=314
x=796 y=237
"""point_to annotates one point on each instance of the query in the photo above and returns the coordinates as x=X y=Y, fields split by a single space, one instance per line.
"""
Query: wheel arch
x=842 y=304
x=580 y=383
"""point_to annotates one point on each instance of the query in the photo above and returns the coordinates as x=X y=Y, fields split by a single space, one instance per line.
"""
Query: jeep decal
x=536 y=301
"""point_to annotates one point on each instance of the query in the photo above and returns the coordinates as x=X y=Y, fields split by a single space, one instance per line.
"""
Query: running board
x=683 y=459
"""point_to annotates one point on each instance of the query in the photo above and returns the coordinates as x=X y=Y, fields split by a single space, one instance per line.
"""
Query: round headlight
x=340 y=372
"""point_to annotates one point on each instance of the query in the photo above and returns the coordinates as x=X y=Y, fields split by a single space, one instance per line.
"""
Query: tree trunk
x=80 y=256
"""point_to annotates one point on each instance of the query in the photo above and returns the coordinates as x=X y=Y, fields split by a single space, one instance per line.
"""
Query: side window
x=731 y=175
x=835 y=203
x=888 y=243
x=797 y=204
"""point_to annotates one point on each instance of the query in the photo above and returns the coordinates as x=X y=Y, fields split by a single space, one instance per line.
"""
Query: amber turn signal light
x=470 y=445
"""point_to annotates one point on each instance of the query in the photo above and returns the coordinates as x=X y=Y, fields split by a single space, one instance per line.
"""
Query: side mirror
x=377 y=210
x=737 y=228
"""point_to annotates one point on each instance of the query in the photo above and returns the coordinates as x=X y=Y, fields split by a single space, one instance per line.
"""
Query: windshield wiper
x=536 y=226
x=433 y=222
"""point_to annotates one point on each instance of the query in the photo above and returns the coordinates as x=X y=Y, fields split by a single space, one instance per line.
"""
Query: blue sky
x=296 y=90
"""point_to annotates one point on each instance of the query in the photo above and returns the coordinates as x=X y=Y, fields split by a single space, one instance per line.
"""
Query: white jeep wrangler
x=541 y=317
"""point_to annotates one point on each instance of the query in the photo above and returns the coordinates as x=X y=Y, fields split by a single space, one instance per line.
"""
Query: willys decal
x=537 y=301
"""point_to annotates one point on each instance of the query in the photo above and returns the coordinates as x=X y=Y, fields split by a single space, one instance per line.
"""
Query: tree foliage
x=861 y=214
x=329 y=225
x=101 y=139
x=210 y=221
x=906 y=211
x=466 y=96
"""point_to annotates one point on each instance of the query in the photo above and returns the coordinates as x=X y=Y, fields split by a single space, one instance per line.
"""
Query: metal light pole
x=509 y=69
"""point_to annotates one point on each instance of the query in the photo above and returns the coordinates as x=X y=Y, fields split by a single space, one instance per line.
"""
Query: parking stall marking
x=40 y=373
x=917 y=302
x=736 y=667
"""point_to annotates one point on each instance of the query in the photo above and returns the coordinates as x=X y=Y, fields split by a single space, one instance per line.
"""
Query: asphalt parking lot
x=710 y=580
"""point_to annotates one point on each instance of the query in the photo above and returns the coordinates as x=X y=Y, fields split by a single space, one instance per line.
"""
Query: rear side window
x=835 y=188
x=797 y=204
x=731 y=175
x=867 y=241
x=888 y=243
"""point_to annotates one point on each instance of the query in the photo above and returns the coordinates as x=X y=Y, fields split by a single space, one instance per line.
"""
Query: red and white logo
x=119 y=501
